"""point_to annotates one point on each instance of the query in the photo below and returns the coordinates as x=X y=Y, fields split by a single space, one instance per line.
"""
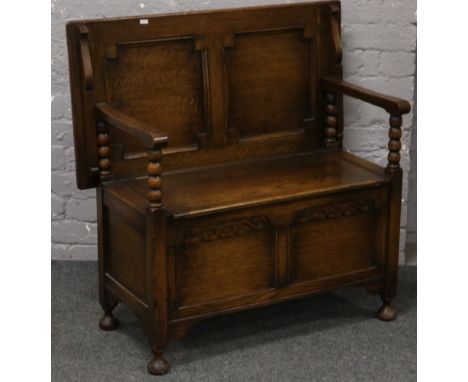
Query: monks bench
x=215 y=143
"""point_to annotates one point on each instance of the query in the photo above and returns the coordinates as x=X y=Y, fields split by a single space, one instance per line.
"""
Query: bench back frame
x=223 y=85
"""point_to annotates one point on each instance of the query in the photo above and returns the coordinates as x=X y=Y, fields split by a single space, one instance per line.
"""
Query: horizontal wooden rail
x=148 y=135
x=393 y=105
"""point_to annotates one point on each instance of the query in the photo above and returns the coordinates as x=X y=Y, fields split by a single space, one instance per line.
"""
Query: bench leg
x=108 y=302
x=156 y=247
x=158 y=365
x=108 y=322
x=387 y=311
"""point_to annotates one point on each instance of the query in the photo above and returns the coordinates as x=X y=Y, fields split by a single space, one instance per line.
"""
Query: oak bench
x=215 y=143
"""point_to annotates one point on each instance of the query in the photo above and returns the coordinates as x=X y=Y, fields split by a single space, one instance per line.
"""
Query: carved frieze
x=336 y=210
x=228 y=230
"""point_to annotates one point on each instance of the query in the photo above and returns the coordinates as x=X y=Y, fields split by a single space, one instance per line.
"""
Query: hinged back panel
x=224 y=85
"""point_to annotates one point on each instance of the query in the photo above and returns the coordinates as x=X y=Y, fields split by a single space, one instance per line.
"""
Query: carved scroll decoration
x=334 y=211
x=335 y=25
x=228 y=230
x=86 y=57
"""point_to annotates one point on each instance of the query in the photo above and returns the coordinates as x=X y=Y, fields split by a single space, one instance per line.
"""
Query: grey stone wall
x=379 y=40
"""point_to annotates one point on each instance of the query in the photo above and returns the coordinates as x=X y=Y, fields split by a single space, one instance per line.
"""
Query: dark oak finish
x=393 y=105
x=214 y=140
x=148 y=135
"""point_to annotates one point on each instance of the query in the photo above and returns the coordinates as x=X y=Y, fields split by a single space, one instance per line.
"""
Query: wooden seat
x=214 y=189
x=215 y=143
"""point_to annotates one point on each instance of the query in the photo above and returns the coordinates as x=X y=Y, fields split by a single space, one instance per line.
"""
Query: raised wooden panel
x=126 y=261
x=334 y=240
x=224 y=262
x=268 y=82
x=159 y=82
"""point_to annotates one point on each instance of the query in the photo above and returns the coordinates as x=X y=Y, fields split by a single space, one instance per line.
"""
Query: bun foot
x=387 y=312
x=158 y=365
x=108 y=322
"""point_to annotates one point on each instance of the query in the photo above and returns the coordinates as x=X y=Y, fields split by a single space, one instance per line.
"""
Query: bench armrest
x=148 y=135
x=396 y=107
x=393 y=105
x=151 y=137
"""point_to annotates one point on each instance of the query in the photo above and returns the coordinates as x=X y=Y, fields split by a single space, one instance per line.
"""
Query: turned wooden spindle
x=154 y=178
x=331 y=120
x=394 y=145
x=104 y=150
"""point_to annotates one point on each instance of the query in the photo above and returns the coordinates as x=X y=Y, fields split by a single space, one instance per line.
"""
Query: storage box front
x=333 y=240
x=224 y=261
x=273 y=252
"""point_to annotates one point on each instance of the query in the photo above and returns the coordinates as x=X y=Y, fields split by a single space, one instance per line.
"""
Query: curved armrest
x=393 y=105
x=152 y=138
x=148 y=135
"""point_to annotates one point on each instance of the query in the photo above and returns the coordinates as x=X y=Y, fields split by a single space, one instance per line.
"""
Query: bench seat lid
x=231 y=186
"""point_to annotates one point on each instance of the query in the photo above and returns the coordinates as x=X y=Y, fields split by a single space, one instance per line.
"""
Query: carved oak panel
x=126 y=258
x=161 y=83
x=334 y=239
x=268 y=82
x=225 y=261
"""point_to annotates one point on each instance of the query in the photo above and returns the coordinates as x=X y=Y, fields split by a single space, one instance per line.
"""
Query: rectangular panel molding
x=162 y=82
x=268 y=82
